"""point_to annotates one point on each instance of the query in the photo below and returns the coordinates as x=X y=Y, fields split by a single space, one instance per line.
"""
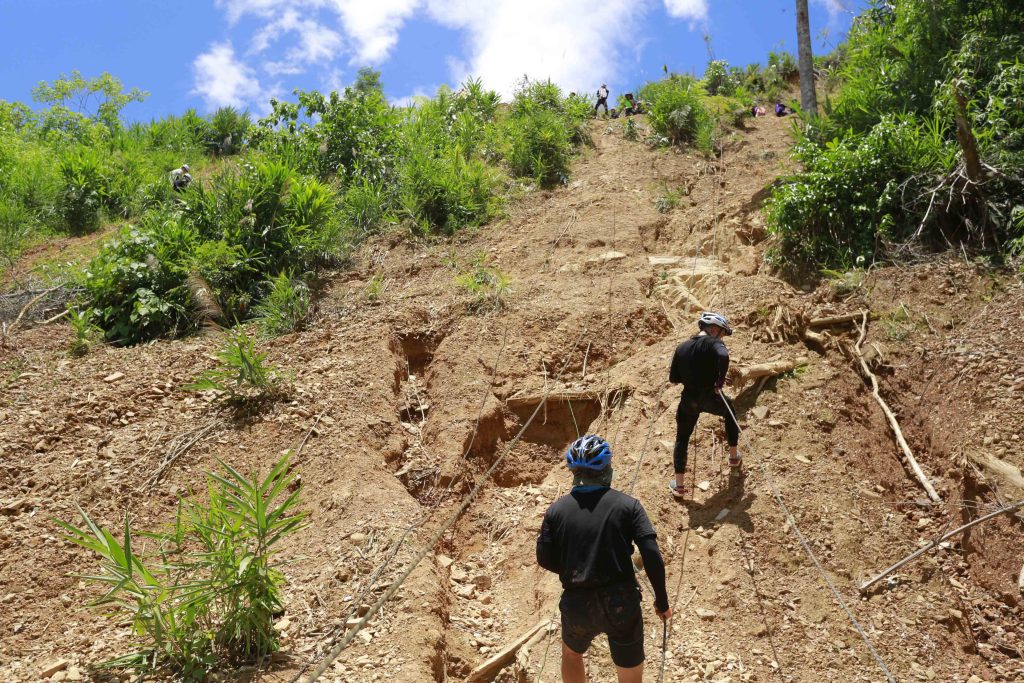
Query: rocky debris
x=48 y=670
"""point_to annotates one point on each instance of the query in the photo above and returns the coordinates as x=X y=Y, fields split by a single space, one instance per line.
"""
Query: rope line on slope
x=655 y=415
x=359 y=599
x=810 y=553
x=436 y=536
x=760 y=604
x=682 y=572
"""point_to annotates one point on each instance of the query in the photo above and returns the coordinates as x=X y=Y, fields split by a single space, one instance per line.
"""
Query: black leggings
x=690 y=408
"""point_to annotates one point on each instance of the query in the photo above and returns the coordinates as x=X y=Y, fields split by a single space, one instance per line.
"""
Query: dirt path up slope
x=403 y=398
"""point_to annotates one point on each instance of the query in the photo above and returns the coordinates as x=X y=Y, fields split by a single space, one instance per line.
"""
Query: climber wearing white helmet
x=180 y=178
x=700 y=364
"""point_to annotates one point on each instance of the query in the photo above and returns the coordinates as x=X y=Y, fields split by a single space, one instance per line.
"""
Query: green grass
x=487 y=285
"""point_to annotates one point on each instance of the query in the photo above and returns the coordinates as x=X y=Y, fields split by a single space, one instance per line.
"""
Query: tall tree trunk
x=808 y=98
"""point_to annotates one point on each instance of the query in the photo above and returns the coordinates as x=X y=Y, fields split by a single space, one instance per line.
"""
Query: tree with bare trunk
x=808 y=98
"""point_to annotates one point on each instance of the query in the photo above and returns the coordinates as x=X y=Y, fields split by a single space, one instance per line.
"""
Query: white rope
x=810 y=553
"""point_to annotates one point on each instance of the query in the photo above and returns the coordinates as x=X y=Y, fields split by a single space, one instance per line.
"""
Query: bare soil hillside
x=405 y=390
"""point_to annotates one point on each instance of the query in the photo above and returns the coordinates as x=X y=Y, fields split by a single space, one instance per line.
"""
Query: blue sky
x=208 y=53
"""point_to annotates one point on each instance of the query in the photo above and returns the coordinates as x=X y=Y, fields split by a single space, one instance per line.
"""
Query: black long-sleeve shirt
x=699 y=363
x=587 y=538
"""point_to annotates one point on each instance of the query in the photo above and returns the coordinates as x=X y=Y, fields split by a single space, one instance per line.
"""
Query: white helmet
x=709 y=318
x=184 y=167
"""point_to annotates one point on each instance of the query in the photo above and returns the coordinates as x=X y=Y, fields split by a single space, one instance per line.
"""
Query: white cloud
x=418 y=95
x=576 y=43
x=694 y=10
x=373 y=27
x=316 y=43
x=369 y=30
x=834 y=7
x=222 y=80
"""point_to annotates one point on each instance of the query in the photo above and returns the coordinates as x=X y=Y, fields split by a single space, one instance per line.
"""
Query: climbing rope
x=810 y=553
x=359 y=599
x=436 y=536
x=655 y=414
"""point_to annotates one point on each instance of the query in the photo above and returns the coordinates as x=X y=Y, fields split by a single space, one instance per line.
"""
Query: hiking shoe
x=677 y=491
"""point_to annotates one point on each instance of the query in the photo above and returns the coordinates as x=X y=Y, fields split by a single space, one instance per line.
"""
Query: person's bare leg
x=634 y=674
x=573 y=669
x=680 y=480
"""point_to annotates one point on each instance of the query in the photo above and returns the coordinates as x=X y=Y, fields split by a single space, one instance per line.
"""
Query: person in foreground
x=587 y=538
x=700 y=364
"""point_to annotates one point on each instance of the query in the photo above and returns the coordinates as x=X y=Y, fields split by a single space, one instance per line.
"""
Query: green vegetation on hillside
x=314 y=177
x=203 y=591
x=885 y=169
x=309 y=181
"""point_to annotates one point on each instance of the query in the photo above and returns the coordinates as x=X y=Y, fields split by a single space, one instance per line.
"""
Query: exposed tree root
x=893 y=422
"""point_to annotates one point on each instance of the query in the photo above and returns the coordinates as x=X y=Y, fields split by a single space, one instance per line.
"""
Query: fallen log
x=831 y=320
x=742 y=375
x=818 y=338
x=492 y=666
x=893 y=422
x=527 y=399
x=1002 y=470
x=944 y=537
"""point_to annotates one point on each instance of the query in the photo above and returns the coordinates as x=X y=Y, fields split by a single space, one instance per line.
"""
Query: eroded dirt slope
x=401 y=402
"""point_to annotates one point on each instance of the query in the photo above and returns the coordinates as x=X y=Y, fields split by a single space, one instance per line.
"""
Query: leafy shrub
x=670 y=200
x=263 y=220
x=354 y=135
x=542 y=131
x=443 y=185
x=888 y=145
x=376 y=287
x=446 y=193
x=84 y=189
x=285 y=306
x=629 y=130
x=136 y=284
x=242 y=374
x=719 y=79
x=784 y=63
x=365 y=206
x=208 y=592
x=853 y=197
x=227 y=131
x=676 y=111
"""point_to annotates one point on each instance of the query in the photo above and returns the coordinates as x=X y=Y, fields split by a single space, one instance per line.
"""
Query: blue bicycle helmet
x=589 y=452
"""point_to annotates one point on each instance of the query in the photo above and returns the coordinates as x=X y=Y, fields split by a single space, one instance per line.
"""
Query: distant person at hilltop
x=602 y=99
x=781 y=109
x=180 y=178
x=633 y=105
